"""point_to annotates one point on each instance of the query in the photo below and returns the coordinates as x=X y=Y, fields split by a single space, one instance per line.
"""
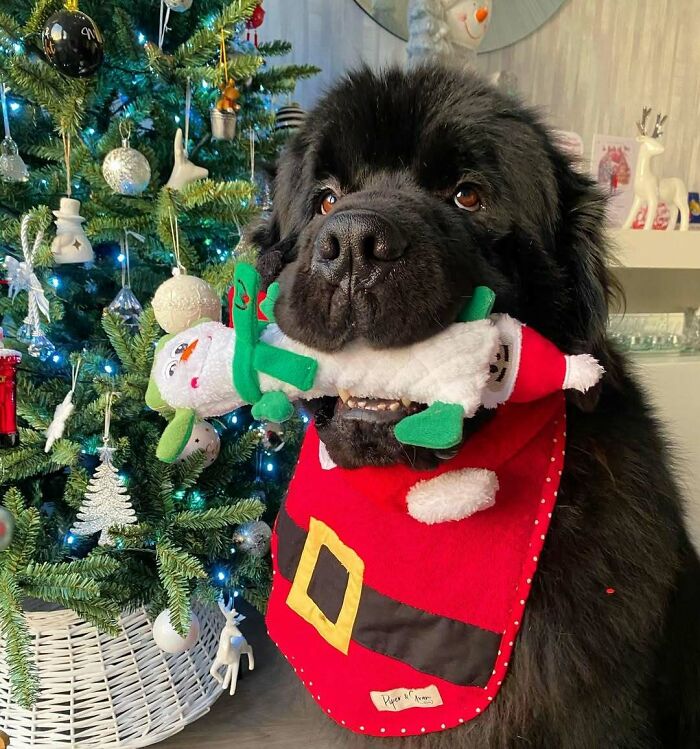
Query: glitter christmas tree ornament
x=107 y=502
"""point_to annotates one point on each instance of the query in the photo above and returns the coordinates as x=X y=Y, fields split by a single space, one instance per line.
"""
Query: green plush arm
x=286 y=366
x=176 y=435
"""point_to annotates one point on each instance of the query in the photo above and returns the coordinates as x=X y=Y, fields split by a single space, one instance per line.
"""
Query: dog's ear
x=583 y=256
x=272 y=235
x=274 y=251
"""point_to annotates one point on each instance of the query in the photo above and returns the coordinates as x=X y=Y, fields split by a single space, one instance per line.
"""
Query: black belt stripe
x=455 y=651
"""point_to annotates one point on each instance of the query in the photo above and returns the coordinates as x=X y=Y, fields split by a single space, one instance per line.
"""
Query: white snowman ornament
x=71 y=245
x=205 y=438
x=468 y=21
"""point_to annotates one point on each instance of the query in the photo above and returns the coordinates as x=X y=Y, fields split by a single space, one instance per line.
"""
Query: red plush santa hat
x=529 y=367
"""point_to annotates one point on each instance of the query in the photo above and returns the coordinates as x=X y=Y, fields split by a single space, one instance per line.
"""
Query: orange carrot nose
x=482 y=14
x=189 y=350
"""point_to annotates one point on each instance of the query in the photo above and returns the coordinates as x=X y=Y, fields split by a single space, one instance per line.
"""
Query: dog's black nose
x=358 y=243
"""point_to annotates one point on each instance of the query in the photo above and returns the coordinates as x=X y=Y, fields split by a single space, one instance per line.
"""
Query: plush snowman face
x=468 y=21
x=183 y=364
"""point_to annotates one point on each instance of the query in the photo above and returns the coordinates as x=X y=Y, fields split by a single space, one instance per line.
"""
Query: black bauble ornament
x=73 y=44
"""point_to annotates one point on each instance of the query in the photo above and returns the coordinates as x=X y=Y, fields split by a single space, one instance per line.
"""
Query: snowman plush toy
x=386 y=647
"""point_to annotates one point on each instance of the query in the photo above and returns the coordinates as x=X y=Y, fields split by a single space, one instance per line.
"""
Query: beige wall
x=591 y=67
x=597 y=62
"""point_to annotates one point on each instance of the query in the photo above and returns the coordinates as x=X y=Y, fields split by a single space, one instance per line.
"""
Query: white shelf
x=658 y=270
x=671 y=250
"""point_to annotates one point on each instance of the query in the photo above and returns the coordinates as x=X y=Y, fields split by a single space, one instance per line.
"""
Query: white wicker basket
x=109 y=692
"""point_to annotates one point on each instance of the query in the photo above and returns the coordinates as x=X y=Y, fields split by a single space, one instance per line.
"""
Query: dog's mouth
x=374 y=410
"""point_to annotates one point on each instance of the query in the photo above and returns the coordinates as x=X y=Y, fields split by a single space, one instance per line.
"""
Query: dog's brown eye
x=328 y=201
x=467 y=198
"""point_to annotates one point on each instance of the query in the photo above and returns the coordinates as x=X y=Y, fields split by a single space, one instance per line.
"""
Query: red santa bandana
x=397 y=627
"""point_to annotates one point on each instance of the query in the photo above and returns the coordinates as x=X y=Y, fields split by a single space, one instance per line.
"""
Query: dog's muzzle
x=357 y=248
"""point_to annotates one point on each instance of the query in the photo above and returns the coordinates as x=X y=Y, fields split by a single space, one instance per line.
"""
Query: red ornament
x=9 y=361
x=610 y=591
x=256 y=21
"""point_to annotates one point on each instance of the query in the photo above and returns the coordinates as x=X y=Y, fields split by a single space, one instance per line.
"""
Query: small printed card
x=613 y=163
x=396 y=700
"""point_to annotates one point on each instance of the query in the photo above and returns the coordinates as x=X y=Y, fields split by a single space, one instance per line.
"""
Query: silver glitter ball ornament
x=253 y=538
x=126 y=170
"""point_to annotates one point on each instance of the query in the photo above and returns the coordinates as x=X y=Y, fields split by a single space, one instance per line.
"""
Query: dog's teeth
x=361 y=404
x=394 y=406
x=352 y=403
x=382 y=406
x=344 y=395
x=407 y=402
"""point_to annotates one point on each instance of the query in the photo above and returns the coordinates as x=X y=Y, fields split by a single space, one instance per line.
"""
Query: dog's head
x=401 y=193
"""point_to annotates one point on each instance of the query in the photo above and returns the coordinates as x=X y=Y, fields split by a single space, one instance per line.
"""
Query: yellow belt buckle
x=336 y=633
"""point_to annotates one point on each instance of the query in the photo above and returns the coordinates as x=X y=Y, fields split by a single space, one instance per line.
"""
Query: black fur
x=591 y=669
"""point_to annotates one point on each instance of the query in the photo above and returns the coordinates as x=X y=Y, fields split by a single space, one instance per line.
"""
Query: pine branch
x=175 y=568
x=24 y=540
x=188 y=472
x=204 y=43
x=41 y=11
x=13 y=627
x=274 y=48
x=120 y=337
x=216 y=518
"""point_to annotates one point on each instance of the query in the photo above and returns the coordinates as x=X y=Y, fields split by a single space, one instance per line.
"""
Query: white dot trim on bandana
x=522 y=587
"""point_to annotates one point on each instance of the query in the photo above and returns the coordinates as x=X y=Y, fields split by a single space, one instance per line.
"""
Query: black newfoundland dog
x=402 y=192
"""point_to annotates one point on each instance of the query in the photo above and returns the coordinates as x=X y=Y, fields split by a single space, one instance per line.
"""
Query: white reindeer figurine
x=648 y=189
x=232 y=645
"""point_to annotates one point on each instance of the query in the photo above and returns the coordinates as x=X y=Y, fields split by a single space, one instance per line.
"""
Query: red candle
x=9 y=361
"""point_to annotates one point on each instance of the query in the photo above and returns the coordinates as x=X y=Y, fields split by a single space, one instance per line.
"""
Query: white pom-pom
x=452 y=496
x=582 y=372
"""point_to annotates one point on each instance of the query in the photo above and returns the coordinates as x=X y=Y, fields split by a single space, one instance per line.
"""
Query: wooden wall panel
x=597 y=62
x=591 y=68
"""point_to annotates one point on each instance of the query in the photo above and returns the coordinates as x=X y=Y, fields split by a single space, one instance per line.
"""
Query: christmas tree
x=110 y=123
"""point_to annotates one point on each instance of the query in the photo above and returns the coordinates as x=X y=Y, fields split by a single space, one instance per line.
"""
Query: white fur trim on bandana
x=452 y=496
x=324 y=458
x=582 y=372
